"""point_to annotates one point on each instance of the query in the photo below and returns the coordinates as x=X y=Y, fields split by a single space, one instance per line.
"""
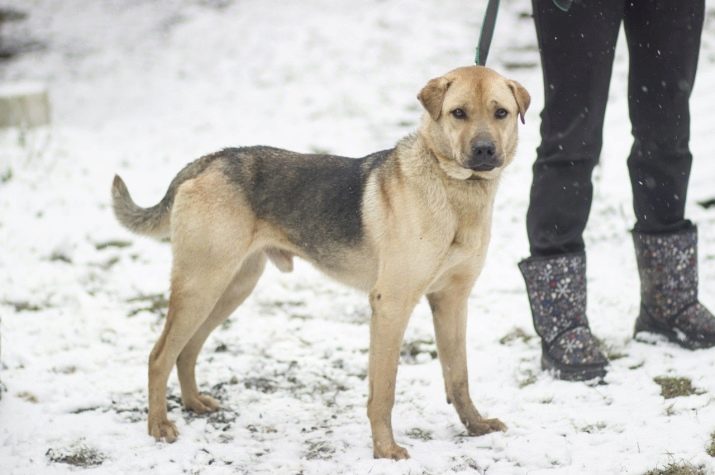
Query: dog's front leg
x=449 y=312
x=391 y=310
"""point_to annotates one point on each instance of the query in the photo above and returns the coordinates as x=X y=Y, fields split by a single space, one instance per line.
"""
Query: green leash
x=490 y=20
x=485 y=36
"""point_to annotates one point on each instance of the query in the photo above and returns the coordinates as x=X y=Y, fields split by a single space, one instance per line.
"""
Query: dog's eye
x=459 y=114
x=501 y=113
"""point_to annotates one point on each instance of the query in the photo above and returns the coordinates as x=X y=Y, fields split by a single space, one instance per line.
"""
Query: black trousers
x=577 y=49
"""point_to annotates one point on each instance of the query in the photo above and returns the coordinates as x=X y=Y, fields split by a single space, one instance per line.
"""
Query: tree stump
x=24 y=105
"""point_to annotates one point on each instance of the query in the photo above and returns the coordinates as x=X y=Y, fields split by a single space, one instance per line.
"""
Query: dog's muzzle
x=484 y=157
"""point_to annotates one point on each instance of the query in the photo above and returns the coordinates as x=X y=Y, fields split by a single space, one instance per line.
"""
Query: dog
x=398 y=224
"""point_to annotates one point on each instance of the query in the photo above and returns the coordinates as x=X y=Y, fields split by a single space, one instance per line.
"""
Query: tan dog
x=400 y=224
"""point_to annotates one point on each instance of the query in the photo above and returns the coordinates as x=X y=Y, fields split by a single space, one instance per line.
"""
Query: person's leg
x=664 y=42
x=577 y=51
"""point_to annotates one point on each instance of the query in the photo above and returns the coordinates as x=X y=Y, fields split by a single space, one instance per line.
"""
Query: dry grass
x=527 y=378
x=678 y=468
x=114 y=243
x=153 y=303
x=517 y=334
x=78 y=454
x=671 y=387
x=411 y=351
x=24 y=306
x=420 y=434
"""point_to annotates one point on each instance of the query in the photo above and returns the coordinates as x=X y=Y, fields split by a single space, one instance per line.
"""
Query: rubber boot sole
x=572 y=373
x=646 y=324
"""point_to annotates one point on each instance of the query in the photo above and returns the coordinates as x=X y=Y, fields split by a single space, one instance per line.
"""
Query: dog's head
x=471 y=121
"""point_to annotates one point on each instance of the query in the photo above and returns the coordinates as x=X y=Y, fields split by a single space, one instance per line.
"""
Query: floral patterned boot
x=556 y=286
x=668 y=268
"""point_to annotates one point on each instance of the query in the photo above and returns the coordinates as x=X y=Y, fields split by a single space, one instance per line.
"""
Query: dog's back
x=316 y=200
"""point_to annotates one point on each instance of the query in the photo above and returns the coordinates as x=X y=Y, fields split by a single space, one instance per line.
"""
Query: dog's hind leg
x=449 y=313
x=241 y=287
x=209 y=244
x=193 y=295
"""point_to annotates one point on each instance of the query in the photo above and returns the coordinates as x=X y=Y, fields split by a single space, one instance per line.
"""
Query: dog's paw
x=163 y=429
x=485 y=426
x=390 y=451
x=495 y=425
x=202 y=404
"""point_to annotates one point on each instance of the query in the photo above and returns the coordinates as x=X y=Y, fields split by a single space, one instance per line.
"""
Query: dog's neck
x=435 y=162
x=416 y=160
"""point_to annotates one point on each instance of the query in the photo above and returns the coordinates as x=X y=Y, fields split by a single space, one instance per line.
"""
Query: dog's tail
x=154 y=221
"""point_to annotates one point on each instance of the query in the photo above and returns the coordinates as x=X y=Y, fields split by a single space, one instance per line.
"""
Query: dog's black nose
x=484 y=149
x=484 y=156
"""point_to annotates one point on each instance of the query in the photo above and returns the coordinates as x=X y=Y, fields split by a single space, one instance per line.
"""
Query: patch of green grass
x=108 y=264
x=24 y=306
x=464 y=464
x=153 y=303
x=592 y=428
x=420 y=434
x=678 y=468
x=711 y=449
x=514 y=335
x=264 y=385
x=319 y=450
x=6 y=176
x=78 y=455
x=27 y=396
x=412 y=349
x=614 y=355
x=672 y=387
x=59 y=256
x=117 y=243
x=529 y=378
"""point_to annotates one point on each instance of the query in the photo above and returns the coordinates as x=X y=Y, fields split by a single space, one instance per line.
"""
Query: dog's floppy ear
x=432 y=95
x=523 y=99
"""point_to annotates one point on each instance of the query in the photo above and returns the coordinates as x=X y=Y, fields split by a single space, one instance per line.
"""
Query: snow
x=140 y=88
x=21 y=89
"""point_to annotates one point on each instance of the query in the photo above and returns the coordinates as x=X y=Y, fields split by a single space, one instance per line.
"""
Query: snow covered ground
x=141 y=87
